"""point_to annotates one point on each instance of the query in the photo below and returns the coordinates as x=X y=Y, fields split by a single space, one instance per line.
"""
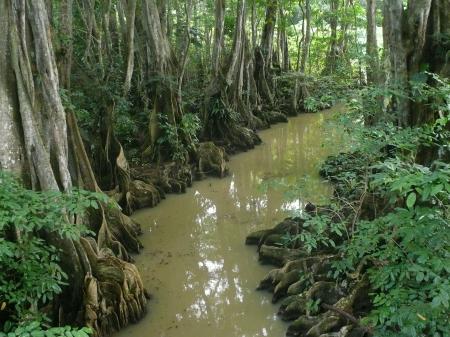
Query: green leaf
x=411 y=200
x=436 y=189
x=420 y=276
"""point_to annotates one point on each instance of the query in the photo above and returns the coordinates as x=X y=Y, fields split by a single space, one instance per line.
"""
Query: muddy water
x=195 y=264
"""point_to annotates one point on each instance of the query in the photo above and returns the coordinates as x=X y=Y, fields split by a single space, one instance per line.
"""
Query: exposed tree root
x=211 y=160
x=114 y=295
x=278 y=256
x=289 y=225
x=142 y=195
x=297 y=305
x=272 y=117
x=335 y=317
x=317 y=305
x=237 y=138
x=294 y=271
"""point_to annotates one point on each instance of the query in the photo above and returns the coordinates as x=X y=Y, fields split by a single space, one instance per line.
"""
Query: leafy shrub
x=407 y=249
x=175 y=138
x=31 y=275
x=396 y=214
x=34 y=329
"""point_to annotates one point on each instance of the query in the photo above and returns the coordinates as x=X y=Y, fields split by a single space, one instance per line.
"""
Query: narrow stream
x=195 y=264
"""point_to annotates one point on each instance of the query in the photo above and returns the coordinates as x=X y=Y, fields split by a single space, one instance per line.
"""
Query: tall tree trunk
x=165 y=68
x=67 y=43
x=437 y=48
x=187 y=44
x=407 y=37
x=283 y=41
x=131 y=16
x=12 y=155
x=264 y=54
x=219 y=14
x=224 y=101
x=371 y=44
x=268 y=32
x=333 y=48
x=374 y=111
x=307 y=42
x=104 y=291
x=253 y=25
x=397 y=54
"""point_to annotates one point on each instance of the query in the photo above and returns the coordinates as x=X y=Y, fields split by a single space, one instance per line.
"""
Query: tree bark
x=283 y=41
x=219 y=15
x=12 y=154
x=268 y=32
x=224 y=102
x=185 y=52
x=371 y=43
x=104 y=291
x=165 y=100
x=407 y=37
x=333 y=49
x=67 y=42
x=131 y=17
x=307 y=42
x=372 y=65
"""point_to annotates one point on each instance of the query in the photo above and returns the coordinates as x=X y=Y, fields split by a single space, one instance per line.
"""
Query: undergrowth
x=31 y=275
x=389 y=218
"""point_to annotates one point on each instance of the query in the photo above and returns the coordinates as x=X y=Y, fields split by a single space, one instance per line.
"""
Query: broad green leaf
x=411 y=200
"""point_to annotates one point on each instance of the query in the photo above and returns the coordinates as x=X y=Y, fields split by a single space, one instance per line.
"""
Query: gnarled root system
x=316 y=304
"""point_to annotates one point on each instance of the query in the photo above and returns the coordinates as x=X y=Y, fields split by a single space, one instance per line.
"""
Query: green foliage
x=324 y=92
x=313 y=307
x=34 y=329
x=316 y=104
x=31 y=275
x=221 y=114
x=172 y=135
x=190 y=125
x=390 y=215
x=319 y=233
x=407 y=248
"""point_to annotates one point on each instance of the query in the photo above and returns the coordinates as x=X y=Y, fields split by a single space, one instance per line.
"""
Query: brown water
x=195 y=264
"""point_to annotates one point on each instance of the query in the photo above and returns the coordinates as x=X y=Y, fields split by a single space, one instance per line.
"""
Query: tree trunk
x=224 y=102
x=371 y=44
x=437 y=48
x=307 y=42
x=268 y=32
x=283 y=40
x=165 y=99
x=67 y=43
x=333 y=49
x=104 y=291
x=185 y=52
x=264 y=54
x=253 y=25
x=131 y=16
x=407 y=37
x=218 y=36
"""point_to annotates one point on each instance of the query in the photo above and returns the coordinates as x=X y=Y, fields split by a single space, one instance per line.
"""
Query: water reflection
x=195 y=264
